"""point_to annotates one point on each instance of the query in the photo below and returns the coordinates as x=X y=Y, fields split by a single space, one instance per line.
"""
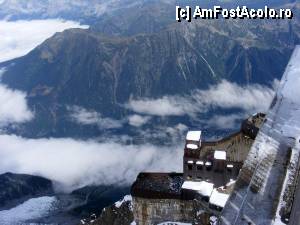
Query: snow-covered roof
x=192 y=146
x=217 y=198
x=193 y=136
x=208 y=163
x=221 y=155
x=200 y=163
x=174 y=223
x=231 y=182
x=190 y=162
x=203 y=188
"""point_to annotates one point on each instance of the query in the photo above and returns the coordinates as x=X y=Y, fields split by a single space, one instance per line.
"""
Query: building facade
x=219 y=161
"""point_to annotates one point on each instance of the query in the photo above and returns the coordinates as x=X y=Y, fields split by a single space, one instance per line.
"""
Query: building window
x=190 y=164
x=208 y=165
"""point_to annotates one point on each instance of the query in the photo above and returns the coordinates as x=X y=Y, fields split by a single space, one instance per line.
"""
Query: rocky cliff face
x=118 y=214
x=95 y=198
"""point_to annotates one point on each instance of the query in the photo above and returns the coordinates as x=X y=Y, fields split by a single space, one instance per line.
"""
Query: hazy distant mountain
x=96 y=71
x=80 y=9
x=91 y=10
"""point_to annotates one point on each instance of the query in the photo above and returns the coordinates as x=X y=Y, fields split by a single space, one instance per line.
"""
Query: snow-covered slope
x=32 y=209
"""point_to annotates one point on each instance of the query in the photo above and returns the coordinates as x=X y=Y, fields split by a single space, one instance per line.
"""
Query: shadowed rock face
x=119 y=213
x=96 y=198
x=20 y=187
x=116 y=216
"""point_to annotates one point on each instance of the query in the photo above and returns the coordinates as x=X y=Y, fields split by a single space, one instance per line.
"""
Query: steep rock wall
x=154 y=211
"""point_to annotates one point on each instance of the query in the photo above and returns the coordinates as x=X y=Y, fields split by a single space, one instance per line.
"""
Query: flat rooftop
x=158 y=185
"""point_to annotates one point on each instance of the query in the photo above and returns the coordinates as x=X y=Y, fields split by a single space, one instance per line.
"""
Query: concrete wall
x=154 y=211
x=237 y=147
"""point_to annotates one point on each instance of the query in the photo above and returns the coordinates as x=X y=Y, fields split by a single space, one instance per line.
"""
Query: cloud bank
x=77 y=163
x=165 y=106
x=74 y=163
x=253 y=98
x=14 y=108
x=137 y=120
x=83 y=116
x=225 y=95
x=20 y=37
x=230 y=121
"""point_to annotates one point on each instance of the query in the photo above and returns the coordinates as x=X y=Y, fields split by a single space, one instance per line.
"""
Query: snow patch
x=127 y=198
x=174 y=223
x=218 y=199
x=208 y=164
x=32 y=209
x=213 y=220
x=200 y=163
x=192 y=146
x=231 y=182
x=204 y=188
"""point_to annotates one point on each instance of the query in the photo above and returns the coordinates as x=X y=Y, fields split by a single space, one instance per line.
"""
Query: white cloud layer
x=137 y=120
x=90 y=117
x=165 y=106
x=225 y=95
x=75 y=163
x=13 y=107
x=231 y=121
x=20 y=37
